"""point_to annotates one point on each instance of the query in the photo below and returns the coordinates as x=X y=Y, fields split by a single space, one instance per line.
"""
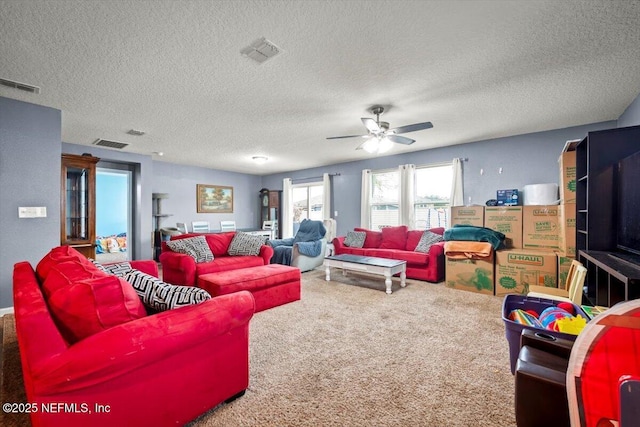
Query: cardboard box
x=517 y=269
x=564 y=263
x=508 y=221
x=540 y=227
x=567 y=163
x=467 y=215
x=475 y=275
x=567 y=231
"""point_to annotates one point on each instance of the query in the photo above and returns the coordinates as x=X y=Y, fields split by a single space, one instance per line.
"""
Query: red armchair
x=164 y=369
x=181 y=269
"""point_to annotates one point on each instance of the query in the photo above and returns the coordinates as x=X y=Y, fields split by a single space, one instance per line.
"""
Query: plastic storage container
x=513 y=330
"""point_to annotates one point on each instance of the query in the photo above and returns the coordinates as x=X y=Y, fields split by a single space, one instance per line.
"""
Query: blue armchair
x=305 y=251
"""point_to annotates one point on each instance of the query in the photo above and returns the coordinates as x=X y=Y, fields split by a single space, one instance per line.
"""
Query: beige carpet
x=347 y=354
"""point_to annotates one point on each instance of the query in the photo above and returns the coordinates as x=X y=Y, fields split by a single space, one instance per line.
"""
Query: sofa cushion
x=394 y=237
x=67 y=273
x=196 y=247
x=415 y=258
x=355 y=239
x=56 y=256
x=219 y=242
x=413 y=237
x=92 y=305
x=225 y=263
x=373 y=239
x=163 y=296
x=246 y=244
x=427 y=240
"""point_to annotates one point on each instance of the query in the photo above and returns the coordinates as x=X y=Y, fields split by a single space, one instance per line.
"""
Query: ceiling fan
x=380 y=137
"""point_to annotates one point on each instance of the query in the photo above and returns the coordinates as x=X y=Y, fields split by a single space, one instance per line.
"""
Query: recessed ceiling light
x=260 y=159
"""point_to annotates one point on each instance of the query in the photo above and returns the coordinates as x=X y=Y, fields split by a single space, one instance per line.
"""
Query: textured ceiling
x=476 y=70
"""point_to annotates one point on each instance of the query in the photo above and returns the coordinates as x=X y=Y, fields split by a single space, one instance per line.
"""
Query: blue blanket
x=307 y=239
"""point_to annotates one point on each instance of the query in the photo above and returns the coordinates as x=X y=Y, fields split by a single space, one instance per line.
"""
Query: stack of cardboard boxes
x=539 y=244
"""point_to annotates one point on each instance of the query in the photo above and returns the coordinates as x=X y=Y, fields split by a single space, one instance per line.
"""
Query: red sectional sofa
x=399 y=243
x=181 y=269
x=134 y=369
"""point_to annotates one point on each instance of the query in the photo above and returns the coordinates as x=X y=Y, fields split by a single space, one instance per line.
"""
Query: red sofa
x=399 y=243
x=181 y=269
x=164 y=369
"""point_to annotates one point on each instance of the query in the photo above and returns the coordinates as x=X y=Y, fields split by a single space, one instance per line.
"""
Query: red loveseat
x=182 y=269
x=164 y=369
x=400 y=243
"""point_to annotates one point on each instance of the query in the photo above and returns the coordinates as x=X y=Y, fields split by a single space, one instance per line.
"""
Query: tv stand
x=632 y=259
x=610 y=279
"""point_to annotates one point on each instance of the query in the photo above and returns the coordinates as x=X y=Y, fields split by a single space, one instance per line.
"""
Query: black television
x=628 y=209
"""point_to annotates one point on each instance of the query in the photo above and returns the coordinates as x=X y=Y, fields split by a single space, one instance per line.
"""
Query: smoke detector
x=110 y=144
x=261 y=50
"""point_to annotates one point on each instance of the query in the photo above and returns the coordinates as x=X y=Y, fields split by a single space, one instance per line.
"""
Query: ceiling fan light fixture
x=384 y=145
x=371 y=145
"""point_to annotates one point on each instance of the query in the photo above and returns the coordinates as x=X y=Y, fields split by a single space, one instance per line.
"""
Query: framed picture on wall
x=214 y=199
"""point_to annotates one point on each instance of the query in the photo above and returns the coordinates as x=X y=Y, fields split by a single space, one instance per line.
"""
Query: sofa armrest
x=132 y=345
x=178 y=269
x=338 y=244
x=548 y=343
x=266 y=252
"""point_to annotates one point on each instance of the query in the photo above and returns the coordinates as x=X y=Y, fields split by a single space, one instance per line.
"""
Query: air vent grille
x=20 y=86
x=110 y=144
x=261 y=50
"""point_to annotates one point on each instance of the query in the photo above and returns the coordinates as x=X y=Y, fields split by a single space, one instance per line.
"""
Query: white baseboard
x=8 y=310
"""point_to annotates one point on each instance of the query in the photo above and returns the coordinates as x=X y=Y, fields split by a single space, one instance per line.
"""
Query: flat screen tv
x=628 y=215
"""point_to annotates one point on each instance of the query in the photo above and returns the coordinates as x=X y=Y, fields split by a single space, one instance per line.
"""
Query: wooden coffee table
x=382 y=266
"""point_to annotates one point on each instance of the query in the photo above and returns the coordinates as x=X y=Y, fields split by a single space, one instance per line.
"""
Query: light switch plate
x=32 y=212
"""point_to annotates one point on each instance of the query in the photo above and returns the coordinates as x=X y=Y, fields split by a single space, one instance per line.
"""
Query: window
x=385 y=195
x=432 y=196
x=307 y=202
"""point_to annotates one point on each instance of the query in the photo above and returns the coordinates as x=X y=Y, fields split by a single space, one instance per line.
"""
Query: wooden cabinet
x=78 y=203
x=270 y=208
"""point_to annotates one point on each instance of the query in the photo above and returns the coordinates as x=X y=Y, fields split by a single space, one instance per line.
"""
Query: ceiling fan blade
x=371 y=125
x=400 y=139
x=412 y=128
x=346 y=136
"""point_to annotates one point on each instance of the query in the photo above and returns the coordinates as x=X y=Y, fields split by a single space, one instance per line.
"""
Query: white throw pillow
x=427 y=240
x=355 y=239
x=163 y=296
x=196 y=247
x=246 y=244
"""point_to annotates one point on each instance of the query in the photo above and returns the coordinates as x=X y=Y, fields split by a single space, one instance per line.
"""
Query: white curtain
x=365 y=199
x=407 y=184
x=287 y=209
x=326 y=196
x=457 y=196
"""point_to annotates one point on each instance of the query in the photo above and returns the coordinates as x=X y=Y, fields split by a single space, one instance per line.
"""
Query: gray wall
x=144 y=184
x=29 y=176
x=524 y=159
x=180 y=183
x=631 y=116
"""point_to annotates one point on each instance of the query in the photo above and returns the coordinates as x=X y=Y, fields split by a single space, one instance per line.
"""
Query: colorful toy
x=571 y=325
x=550 y=315
x=568 y=307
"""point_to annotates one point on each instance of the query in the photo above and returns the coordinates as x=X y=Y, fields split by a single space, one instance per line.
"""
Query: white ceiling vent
x=110 y=144
x=20 y=86
x=261 y=50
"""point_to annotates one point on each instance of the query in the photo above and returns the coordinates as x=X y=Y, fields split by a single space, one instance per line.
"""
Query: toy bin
x=513 y=329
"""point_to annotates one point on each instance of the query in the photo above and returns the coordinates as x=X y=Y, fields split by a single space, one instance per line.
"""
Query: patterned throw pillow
x=163 y=296
x=98 y=265
x=427 y=240
x=196 y=247
x=355 y=239
x=119 y=269
x=246 y=244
